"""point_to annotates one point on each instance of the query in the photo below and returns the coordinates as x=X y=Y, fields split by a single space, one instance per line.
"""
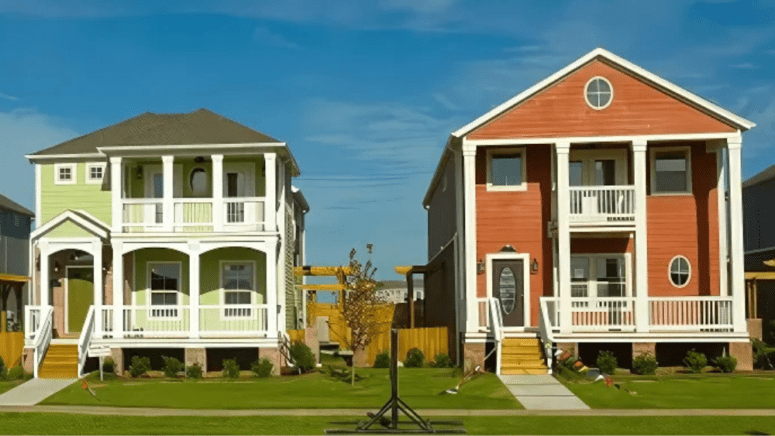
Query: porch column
x=45 y=282
x=217 y=192
x=118 y=290
x=281 y=266
x=469 y=227
x=98 y=287
x=641 y=239
x=168 y=207
x=736 y=252
x=563 y=235
x=270 y=202
x=721 y=192
x=193 y=291
x=271 y=286
x=116 y=189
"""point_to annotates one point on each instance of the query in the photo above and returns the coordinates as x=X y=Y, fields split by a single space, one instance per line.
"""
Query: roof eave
x=440 y=168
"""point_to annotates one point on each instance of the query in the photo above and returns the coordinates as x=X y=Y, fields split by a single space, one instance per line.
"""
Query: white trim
x=66 y=314
x=222 y=291
x=588 y=158
x=721 y=205
x=72 y=216
x=604 y=139
x=522 y=151
x=687 y=150
x=38 y=188
x=638 y=71
x=73 y=167
x=87 y=176
x=469 y=234
x=610 y=86
x=34 y=157
x=525 y=258
x=191 y=146
x=592 y=271
x=670 y=270
x=760 y=250
x=149 y=289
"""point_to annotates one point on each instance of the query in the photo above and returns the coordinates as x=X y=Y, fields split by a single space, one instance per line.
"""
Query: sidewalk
x=542 y=392
x=33 y=392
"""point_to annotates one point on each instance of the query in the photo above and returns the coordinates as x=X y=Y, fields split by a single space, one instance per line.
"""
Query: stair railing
x=42 y=338
x=84 y=341
x=285 y=349
x=545 y=330
x=496 y=327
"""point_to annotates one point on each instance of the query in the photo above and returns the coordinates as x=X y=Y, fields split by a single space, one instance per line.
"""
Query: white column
x=116 y=189
x=469 y=190
x=639 y=148
x=281 y=261
x=168 y=207
x=45 y=281
x=271 y=286
x=736 y=252
x=193 y=292
x=98 y=286
x=563 y=234
x=217 y=192
x=118 y=290
x=270 y=197
x=723 y=249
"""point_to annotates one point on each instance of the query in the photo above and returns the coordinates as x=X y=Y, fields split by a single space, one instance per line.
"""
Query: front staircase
x=522 y=356
x=61 y=362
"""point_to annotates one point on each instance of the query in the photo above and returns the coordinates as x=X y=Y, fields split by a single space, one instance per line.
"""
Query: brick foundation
x=743 y=353
x=639 y=348
x=196 y=356
x=118 y=360
x=473 y=354
x=28 y=359
x=274 y=355
x=312 y=341
x=755 y=328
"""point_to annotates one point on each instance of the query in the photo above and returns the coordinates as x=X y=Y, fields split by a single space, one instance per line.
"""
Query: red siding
x=561 y=110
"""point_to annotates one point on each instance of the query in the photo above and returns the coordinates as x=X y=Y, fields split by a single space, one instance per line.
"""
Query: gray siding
x=442 y=215
x=759 y=215
x=14 y=243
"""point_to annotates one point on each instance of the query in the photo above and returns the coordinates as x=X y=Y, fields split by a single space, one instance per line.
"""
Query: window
x=680 y=271
x=611 y=277
x=64 y=174
x=95 y=173
x=16 y=220
x=599 y=275
x=164 y=288
x=599 y=93
x=671 y=171
x=238 y=281
x=198 y=182
x=506 y=170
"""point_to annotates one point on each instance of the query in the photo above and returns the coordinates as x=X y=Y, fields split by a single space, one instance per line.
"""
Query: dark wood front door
x=508 y=288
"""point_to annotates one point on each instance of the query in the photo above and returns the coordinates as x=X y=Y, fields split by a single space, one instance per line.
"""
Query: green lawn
x=54 y=423
x=8 y=385
x=679 y=392
x=419 y=387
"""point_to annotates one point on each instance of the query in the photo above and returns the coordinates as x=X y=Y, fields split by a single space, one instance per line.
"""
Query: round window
x=198 y=182
x=599 y=93
x=680 y=271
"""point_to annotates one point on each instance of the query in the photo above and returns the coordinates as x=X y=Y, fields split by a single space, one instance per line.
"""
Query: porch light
x=56 y=266
x=534 y=266
x=480 y=266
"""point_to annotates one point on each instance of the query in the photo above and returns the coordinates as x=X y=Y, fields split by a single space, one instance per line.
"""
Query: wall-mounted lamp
x=480 y=267
x=534 y=266
x=57 y=266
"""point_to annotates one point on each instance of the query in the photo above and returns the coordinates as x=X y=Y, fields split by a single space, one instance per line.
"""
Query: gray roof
x=8 y=204
x=764 y=175
x=195 y=128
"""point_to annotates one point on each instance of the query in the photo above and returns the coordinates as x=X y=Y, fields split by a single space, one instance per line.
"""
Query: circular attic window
x=599 y=93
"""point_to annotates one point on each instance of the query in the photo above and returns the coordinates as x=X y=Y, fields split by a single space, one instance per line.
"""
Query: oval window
x=198 y=182
x=507 y=289
x=599 y=93
x=680 y=271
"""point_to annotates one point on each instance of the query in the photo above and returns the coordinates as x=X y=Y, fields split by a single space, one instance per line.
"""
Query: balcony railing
x=144 y=215
x=609 y=205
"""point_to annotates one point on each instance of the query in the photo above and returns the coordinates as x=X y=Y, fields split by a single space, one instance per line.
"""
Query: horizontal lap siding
x=519 y=219
x=561 y=110
x=55 y=199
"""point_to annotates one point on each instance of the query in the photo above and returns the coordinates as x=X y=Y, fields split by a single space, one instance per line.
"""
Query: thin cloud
x=8 y=97
x=265 y=36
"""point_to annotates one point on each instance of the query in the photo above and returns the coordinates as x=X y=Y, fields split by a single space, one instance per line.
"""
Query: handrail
x=545 y=330
x=285 y=349
x=496 y=326
x=84 y=341
x=42 y=338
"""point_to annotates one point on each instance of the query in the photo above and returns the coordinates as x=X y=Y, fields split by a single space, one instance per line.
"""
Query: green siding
x=68 y=229
x=210 y=278
x=142 y=257
x=55 y=199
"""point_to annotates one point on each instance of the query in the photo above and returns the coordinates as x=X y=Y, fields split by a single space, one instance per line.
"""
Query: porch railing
x=690 y=313
x=602 y=204
x=143 y=215
x=84 y=341
x=32 y=319
x=40 y=337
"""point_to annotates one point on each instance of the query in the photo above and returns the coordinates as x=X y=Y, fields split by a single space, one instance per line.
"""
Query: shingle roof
x=198 y=127
x=767 y=174
x=8 y=204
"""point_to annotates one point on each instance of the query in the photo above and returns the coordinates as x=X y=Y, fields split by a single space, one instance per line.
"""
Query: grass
x=8 y=385
x=684 y=391
x=419 y=387
x=55 y=423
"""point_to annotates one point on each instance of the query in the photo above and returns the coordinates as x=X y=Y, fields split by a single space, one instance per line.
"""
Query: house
x=15 y=222
x=588 y=212
x=164 y=234
x=759 y=230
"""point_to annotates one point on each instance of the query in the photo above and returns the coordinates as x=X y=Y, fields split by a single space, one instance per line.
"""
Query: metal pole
x=394 y=376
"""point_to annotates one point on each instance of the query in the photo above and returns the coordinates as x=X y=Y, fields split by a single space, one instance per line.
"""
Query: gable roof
x=194 y=128
x=8 y=204
x=604 y=55
x=78 y=217
x=764 y=175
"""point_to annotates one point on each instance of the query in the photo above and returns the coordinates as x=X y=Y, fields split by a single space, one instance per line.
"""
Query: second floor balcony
x=602 y=205
x=142 y=215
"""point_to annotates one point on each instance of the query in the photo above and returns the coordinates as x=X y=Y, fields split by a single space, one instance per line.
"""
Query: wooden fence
x=431 y=340
x=11 y=347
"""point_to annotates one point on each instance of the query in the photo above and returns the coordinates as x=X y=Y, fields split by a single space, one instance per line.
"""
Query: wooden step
x=523 y=371
x=61 y=362
x=521 y=341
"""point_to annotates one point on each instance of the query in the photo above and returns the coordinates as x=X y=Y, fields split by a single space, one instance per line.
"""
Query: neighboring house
x=759 y=211
x=165 y=234
x=588 y=212
x=397 y=291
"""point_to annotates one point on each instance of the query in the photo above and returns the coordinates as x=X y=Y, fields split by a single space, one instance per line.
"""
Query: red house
x=589 y=212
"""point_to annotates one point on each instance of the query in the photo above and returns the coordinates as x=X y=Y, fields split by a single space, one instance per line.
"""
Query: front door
x=508 y=288
x=80 y=295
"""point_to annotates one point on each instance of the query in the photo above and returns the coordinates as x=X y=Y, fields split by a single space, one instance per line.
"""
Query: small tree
x=362 y=307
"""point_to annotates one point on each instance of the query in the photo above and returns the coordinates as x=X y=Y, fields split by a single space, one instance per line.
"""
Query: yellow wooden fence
x=431 y=340
x=11 y=347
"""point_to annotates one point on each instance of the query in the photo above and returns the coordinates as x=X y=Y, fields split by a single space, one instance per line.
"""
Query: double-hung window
x=598 y=275
x=671 y=171
x=506 y=170
x=164 y=288
x=238 y=281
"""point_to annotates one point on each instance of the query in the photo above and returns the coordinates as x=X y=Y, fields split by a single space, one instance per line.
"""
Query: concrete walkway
x=33 y=392
x=542 y=392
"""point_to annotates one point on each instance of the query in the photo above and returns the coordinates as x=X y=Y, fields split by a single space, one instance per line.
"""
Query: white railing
x=545 y=329
x=193 y=214
x=142 y=215
x=243 y=213
x=42 y=337
x=594 y=314
x=32 y=317
x=496 y=327
x=84 y=341
x=690 y=313
x=602 y=204
x=232 y=320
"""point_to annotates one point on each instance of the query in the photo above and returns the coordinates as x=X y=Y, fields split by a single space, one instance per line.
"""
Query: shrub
x=172 y=366
x=194 y=371
x=645 y=364
x=262 y=367
x=761 y=354
x=139 y=366
x=606 y=362
x=108 y=365
x=414 y=358
x=16 y=373
x=695 y=361
x=725 y=363
x=3 y=369
x=303 y=356
x=230 y=368
x=442 y=360
x=382 y=360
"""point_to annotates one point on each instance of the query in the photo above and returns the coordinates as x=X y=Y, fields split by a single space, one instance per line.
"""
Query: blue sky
x=365 y=93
